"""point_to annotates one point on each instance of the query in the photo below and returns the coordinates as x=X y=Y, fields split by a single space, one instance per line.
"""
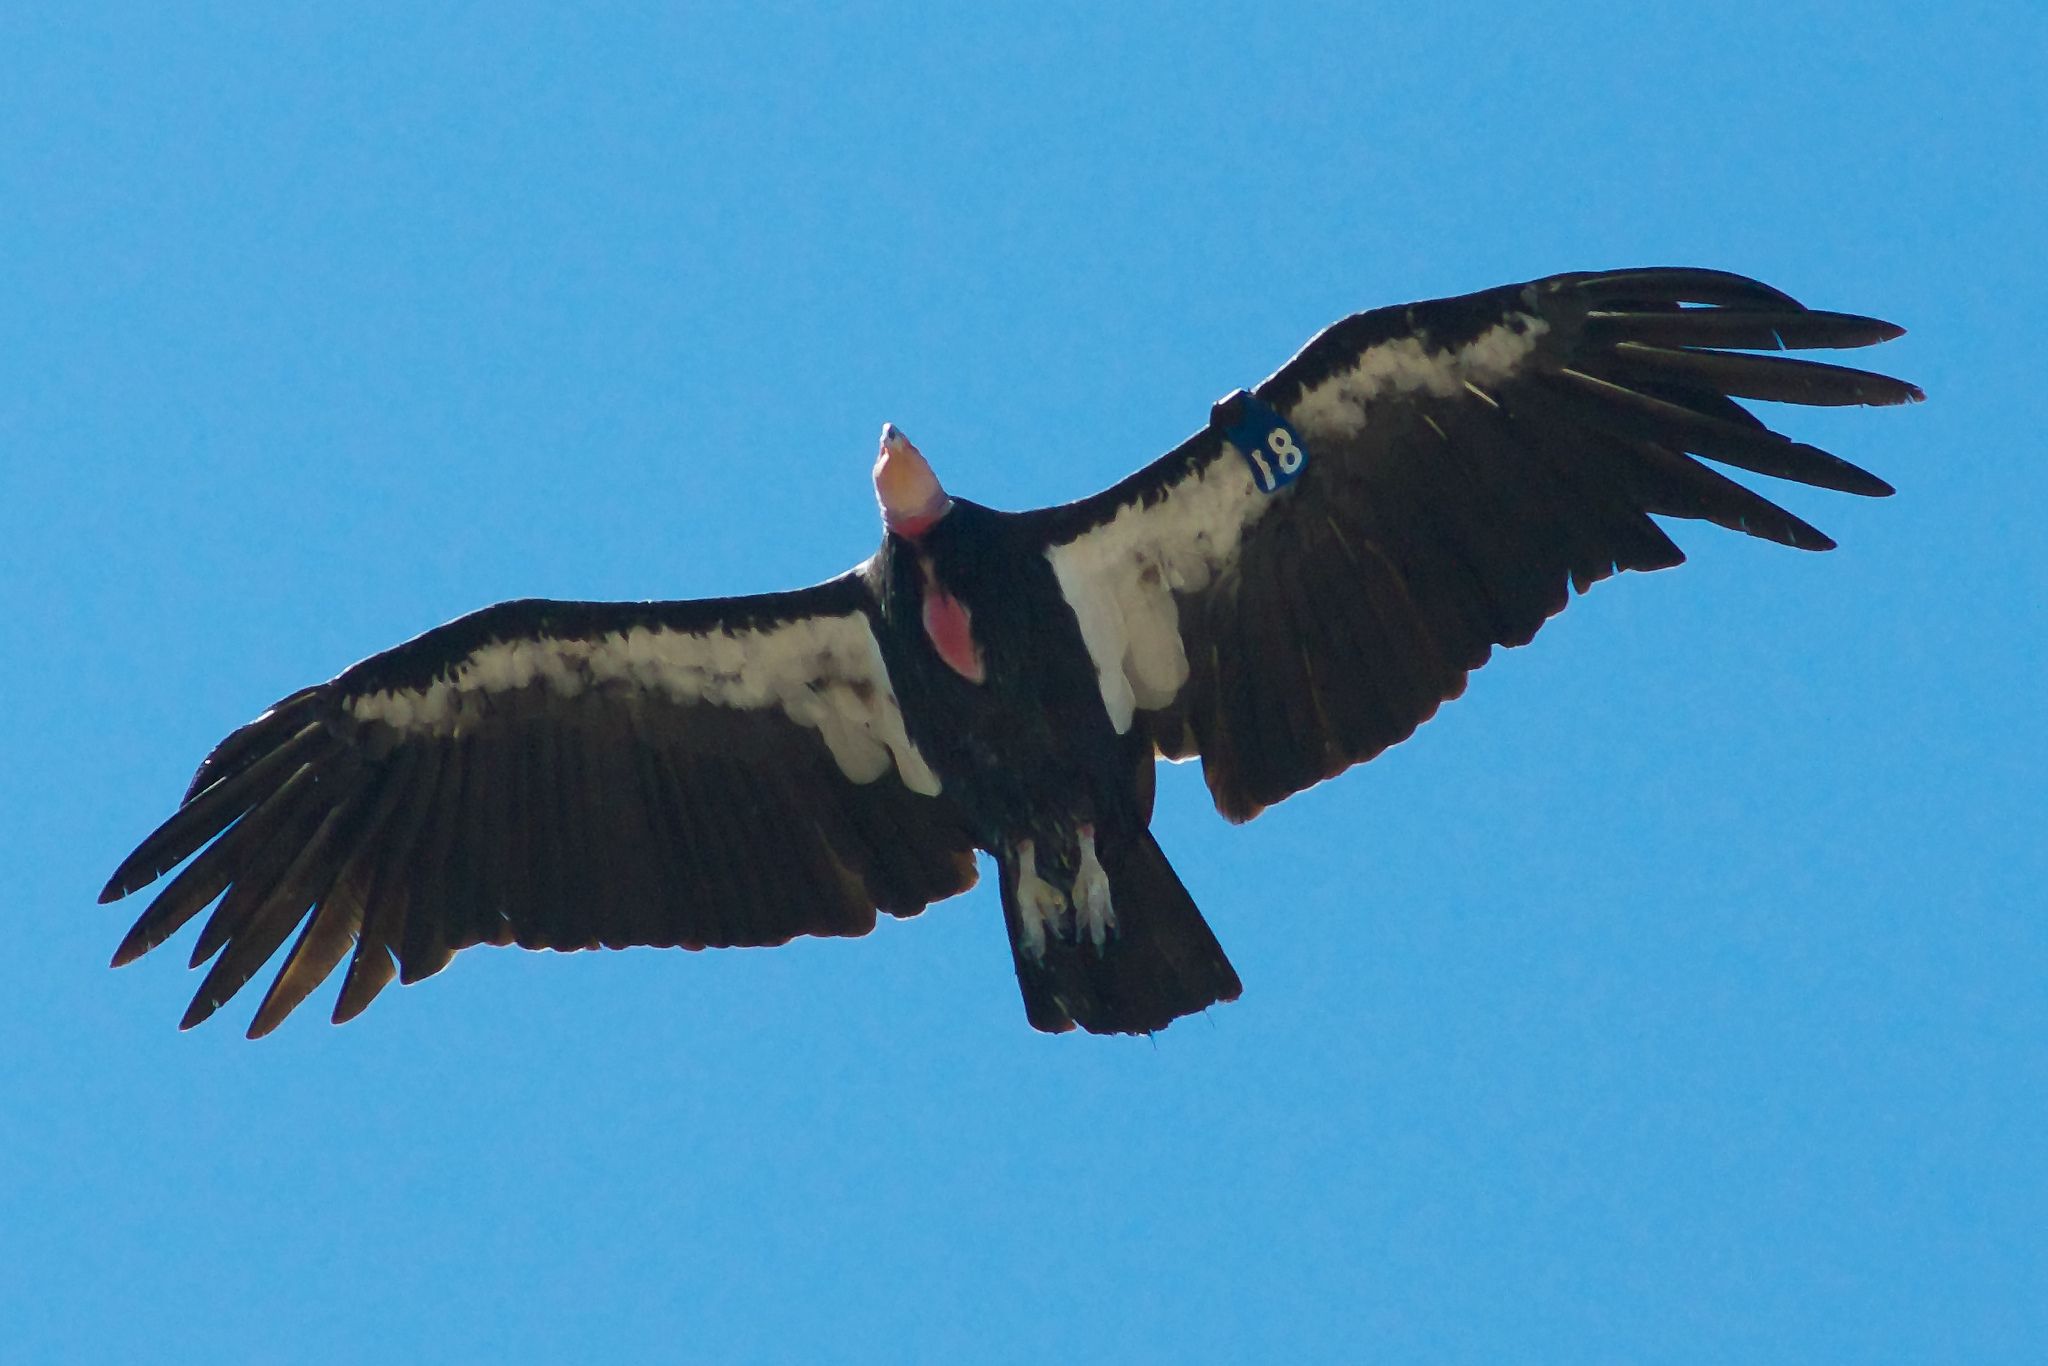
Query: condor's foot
x=1040 y=906
x=1094 y=916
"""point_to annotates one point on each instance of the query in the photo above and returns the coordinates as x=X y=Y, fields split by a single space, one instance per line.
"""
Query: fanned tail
x=1162 y=961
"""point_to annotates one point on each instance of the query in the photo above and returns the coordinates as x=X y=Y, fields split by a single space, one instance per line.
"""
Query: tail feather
x=1161 y=963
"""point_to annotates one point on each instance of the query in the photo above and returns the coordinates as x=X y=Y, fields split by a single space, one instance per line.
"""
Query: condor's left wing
x=558 y=775
x=1302 y=583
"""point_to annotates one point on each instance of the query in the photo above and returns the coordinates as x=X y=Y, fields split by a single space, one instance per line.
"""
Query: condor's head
x=913 y=502
x=910 y=495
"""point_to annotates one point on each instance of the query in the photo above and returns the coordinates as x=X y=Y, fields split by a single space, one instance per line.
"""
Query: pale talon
x=1094 y=916
x=1039 y=903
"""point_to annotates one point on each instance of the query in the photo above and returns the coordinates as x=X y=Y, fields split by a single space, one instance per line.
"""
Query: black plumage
x=742 y=771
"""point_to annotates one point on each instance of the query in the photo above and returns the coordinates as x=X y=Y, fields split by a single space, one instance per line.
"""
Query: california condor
x=1292 y=589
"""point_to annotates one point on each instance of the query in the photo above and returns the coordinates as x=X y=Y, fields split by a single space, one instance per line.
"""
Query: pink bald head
x=910 y=495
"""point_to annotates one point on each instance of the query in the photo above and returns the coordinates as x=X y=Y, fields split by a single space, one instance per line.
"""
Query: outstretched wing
x=558 y=775
x=1445 y=471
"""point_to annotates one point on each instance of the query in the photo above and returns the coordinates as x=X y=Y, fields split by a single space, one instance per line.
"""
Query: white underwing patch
x=824 y=673
x=1121 y=577
x=1337 y=406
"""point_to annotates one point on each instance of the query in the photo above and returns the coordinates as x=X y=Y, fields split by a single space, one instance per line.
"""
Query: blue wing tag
x=1267 y=443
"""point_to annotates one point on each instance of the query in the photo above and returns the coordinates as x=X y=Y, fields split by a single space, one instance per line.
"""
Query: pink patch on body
x=946 y=623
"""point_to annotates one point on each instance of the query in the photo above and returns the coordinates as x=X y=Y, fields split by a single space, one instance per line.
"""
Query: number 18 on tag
x=1268 y=445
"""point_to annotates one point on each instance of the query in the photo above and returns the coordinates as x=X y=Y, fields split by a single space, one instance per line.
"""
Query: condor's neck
x=944 y=534
x=956 y=550
x=916 y=528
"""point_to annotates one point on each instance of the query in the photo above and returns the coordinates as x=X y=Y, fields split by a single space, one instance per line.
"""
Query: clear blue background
x=1681 y=993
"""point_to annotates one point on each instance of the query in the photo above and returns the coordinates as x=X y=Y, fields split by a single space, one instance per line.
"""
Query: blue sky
x=1679 y=994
